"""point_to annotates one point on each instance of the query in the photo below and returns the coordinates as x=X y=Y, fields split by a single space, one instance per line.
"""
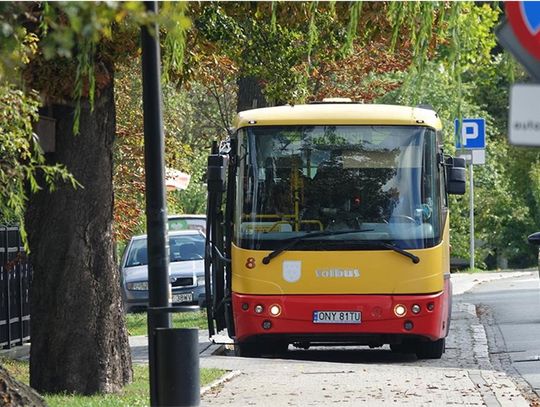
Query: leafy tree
x=507 y=204
x=192 y=117
x=21 y=161
x=79 y=340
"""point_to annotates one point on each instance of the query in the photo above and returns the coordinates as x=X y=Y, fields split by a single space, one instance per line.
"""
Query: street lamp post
x=173 y=354
x=156 y=207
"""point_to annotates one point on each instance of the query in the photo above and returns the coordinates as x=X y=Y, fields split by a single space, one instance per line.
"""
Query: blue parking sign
x=473 y=134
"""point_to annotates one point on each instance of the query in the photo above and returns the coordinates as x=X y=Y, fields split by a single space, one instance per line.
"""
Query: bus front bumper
x=372 y=318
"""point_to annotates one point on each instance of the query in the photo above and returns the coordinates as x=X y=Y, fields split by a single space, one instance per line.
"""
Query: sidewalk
x=462 y=282
x=376 y=377
x=138 y=345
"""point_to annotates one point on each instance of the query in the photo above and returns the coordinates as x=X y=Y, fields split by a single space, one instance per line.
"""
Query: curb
x=212 y=349
x=227 y=377
x=487 y=383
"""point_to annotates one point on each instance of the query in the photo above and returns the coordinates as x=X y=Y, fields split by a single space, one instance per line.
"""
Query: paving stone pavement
x=377 y=377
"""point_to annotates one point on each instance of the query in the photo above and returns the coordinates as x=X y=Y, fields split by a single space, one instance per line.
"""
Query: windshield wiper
x=380 y=243
x=292 y=242
x=414 y=259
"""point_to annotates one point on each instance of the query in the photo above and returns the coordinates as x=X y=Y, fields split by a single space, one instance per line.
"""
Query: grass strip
x=134 y=394
x=136 y=323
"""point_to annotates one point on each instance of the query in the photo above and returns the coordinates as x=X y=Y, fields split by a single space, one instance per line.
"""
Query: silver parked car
x=186 y=269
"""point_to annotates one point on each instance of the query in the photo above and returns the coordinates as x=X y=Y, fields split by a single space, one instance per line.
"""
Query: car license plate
x=337 y=317
x=186 y=297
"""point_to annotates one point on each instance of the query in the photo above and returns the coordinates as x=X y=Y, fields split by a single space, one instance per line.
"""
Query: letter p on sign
x=472 y=134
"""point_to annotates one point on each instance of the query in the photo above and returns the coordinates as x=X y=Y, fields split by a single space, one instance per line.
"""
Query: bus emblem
x=292 y=270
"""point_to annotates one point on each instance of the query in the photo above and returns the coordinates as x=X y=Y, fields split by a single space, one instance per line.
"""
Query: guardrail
x=15 y=280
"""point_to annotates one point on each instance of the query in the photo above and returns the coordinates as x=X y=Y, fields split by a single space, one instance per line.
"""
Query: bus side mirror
x=455 y=175
x=534 y=238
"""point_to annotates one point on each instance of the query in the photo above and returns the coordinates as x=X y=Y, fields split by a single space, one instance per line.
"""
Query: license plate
x=337 y=317
x=187 y=297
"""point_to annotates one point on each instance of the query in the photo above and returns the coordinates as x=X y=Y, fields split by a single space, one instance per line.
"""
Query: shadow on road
x=353 y=354
x=348 y=355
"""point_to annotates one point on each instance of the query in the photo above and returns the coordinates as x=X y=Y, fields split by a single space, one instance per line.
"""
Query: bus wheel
x=404 y=347
x=246 y=349
x=401 y=348
x=430 y=350
x=276 y=347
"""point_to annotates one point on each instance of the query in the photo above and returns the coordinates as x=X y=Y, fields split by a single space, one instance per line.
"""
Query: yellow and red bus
x=328 y=224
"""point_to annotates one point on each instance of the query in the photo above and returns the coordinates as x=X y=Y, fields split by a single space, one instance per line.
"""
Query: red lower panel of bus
x=341 y=315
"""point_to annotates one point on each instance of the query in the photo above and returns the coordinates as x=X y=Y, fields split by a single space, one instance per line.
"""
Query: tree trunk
x=79 y=339
x=16 y=394
x=250 y=94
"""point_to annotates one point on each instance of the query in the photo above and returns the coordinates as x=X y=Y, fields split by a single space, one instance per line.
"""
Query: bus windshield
x=382 y=183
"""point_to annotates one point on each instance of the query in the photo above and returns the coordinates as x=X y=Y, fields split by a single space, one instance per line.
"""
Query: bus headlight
x=275 y=310
x=400 y=310
x=415 y=309
x=258 y=309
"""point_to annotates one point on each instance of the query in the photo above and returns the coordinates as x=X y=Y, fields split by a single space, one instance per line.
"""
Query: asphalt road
x=510 y=312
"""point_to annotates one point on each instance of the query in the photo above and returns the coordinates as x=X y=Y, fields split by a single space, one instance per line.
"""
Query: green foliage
x=503 y=212
x=192 y=119
x=175 y=27
x=17 y=45
x=506 y=187
x=22 y=165
x=193 y=199
x=278 y=45
x=134 y=394
x=356 y=9
x=85 y=36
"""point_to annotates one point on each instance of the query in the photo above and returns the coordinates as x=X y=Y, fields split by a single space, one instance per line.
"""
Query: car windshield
x=186 y=223
x=381 y=181
x=181 y=248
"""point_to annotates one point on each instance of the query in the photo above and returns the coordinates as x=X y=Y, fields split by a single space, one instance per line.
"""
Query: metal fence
x=15 y=280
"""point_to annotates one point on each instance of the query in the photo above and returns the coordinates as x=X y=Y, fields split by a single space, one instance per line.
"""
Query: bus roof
x=338 y=114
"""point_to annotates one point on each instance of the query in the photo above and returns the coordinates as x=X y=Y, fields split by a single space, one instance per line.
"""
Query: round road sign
x=524 y=18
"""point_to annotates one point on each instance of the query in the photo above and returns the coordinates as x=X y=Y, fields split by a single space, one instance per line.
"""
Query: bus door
x=217 y=262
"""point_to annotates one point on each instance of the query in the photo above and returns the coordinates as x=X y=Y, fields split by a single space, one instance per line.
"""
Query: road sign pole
x=471 y=135
x=471 y=191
